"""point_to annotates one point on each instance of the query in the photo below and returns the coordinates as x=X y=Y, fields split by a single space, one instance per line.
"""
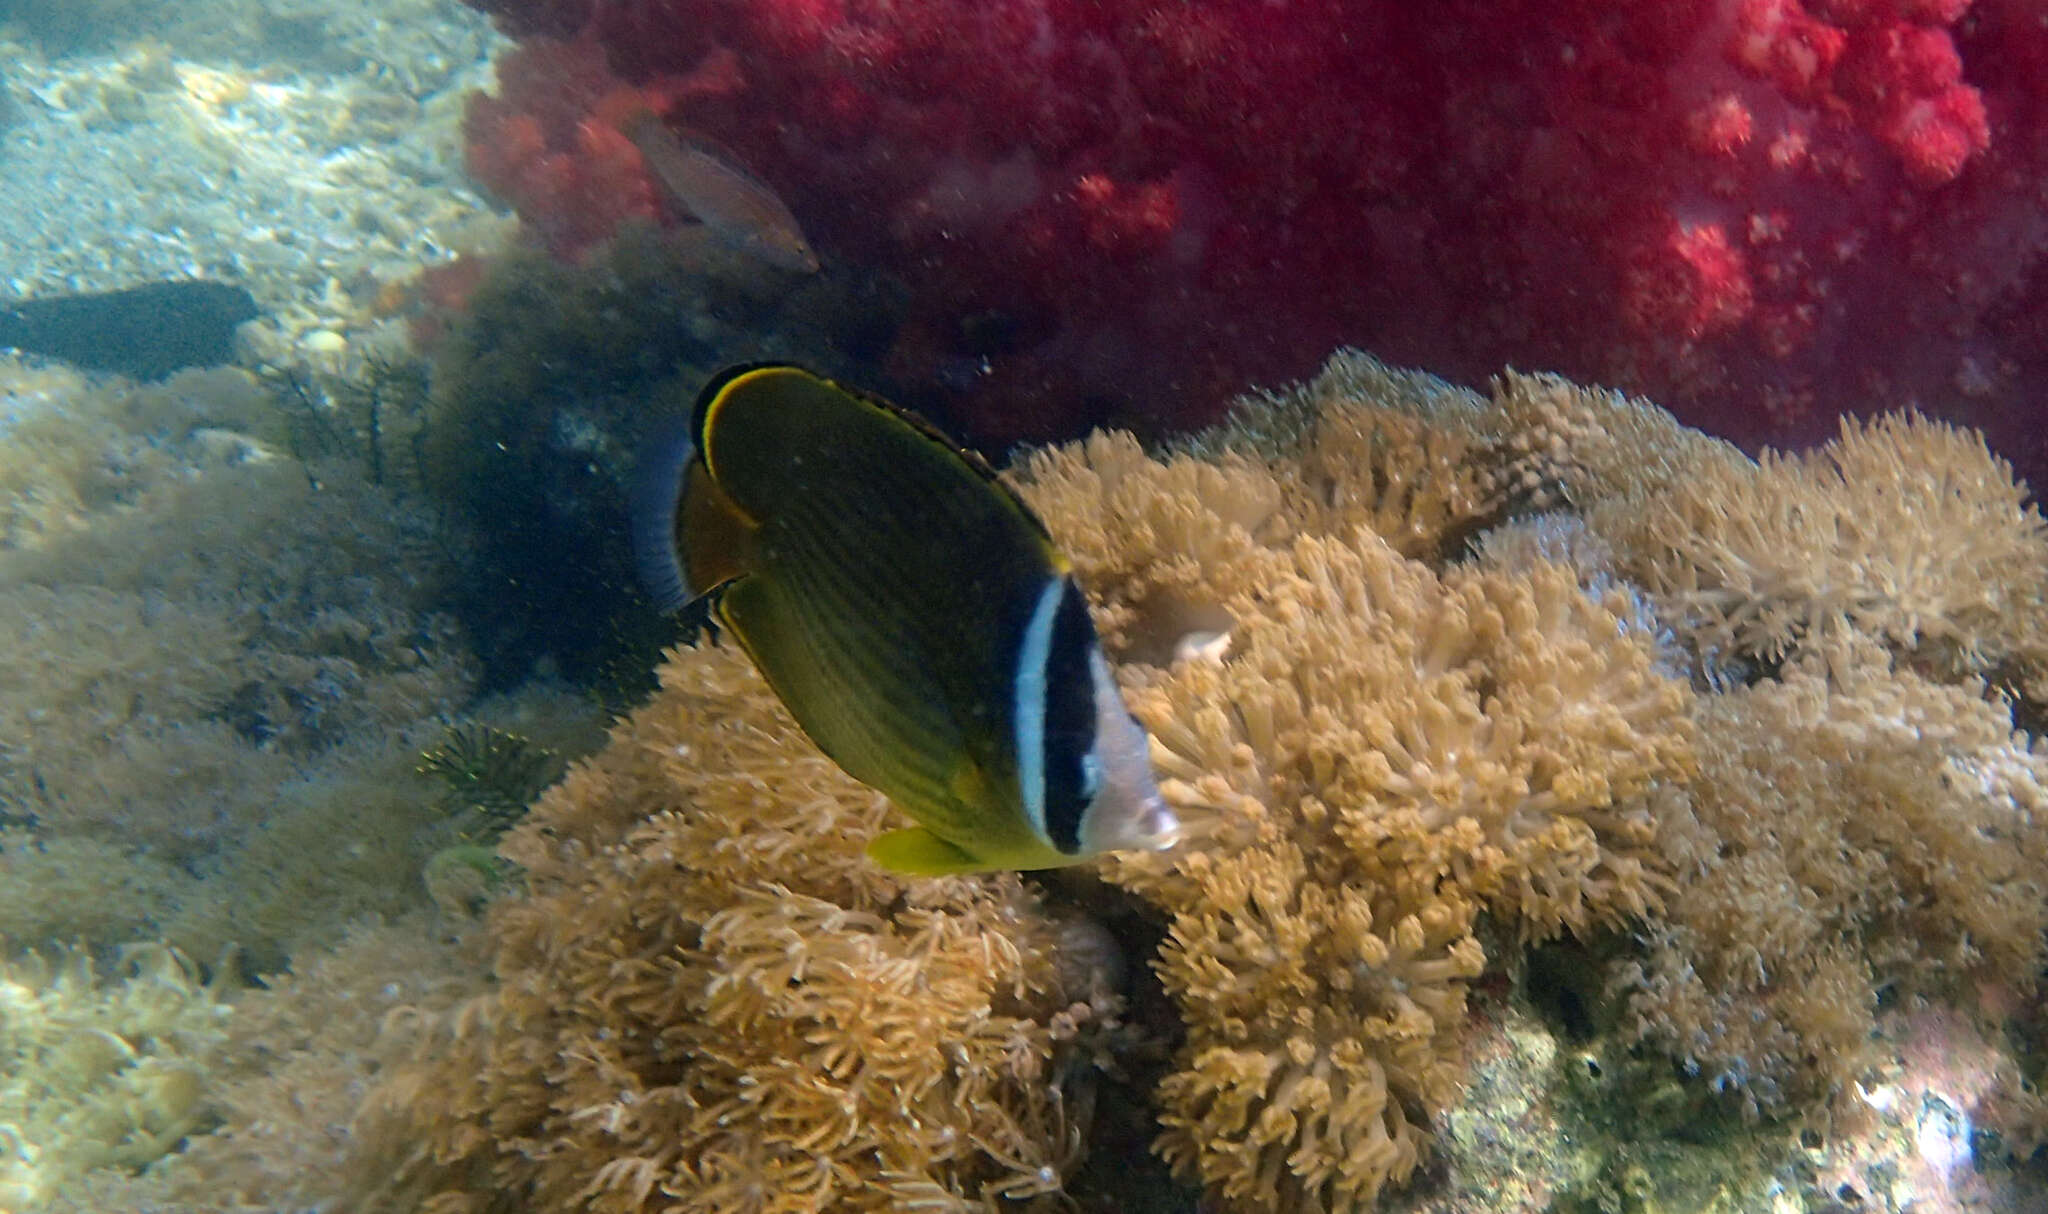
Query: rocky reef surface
x=307 y=152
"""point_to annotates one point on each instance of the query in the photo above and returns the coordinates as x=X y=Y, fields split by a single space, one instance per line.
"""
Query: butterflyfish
x=733 y=205
x=912 y=613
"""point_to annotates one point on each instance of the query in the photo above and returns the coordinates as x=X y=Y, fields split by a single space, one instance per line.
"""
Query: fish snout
x=1134 y=818
x=1156 y=826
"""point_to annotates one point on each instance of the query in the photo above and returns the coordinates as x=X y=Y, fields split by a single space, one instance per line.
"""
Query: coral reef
x=99 y=1074
x=1120 y=212
x=708 y=1007
x=544 y=393
x=284 y=1073
x=1371 y=750
x=1453 y=692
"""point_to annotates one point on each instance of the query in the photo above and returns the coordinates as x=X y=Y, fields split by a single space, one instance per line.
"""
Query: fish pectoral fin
x=968 y=784
x=915 y=850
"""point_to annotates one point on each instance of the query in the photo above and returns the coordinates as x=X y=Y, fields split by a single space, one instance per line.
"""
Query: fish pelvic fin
x=915 y=851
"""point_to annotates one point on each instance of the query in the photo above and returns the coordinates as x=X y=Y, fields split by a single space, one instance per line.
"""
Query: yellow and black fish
x=914 y=616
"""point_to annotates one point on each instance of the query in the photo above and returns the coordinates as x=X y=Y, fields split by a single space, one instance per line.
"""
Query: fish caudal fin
x=657 y=495
x=688 y=537
x=917 y=851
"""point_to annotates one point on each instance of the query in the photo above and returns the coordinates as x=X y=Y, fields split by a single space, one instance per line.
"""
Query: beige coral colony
x=1431 y=678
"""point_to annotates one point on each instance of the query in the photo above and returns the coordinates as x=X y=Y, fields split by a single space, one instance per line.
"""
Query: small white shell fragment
x=1201 y=645
x=323 y=341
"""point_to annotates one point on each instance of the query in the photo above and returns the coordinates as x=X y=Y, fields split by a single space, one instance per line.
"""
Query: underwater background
x=1553 y=478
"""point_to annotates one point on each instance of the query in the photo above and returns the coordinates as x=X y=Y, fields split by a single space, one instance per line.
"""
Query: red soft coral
x=549 y=142
x=1761 y=211
x=540 y=146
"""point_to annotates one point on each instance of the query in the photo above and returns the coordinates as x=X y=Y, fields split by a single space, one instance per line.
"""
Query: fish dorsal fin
x=967 y=455
x=726 y=381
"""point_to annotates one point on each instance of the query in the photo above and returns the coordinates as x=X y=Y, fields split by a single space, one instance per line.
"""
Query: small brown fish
x=737 y=207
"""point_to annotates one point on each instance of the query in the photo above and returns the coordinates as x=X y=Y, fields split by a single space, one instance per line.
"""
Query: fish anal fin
x=916 y=851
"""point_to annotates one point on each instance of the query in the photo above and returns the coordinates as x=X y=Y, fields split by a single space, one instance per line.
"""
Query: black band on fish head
x=1073 y=775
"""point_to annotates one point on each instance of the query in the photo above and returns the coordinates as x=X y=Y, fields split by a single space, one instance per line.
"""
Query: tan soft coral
x=1374 y=753
x=1395 y=452
x=1558 y=443
x=1362 y=444
x=1901 y=529
x=1321 y=1027
x=1360 y=687
x=1371 y=742
x=711 y=1000
x=1862 y=827
x=1142 y=552
x=99 y=1074
x=285 y=1073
